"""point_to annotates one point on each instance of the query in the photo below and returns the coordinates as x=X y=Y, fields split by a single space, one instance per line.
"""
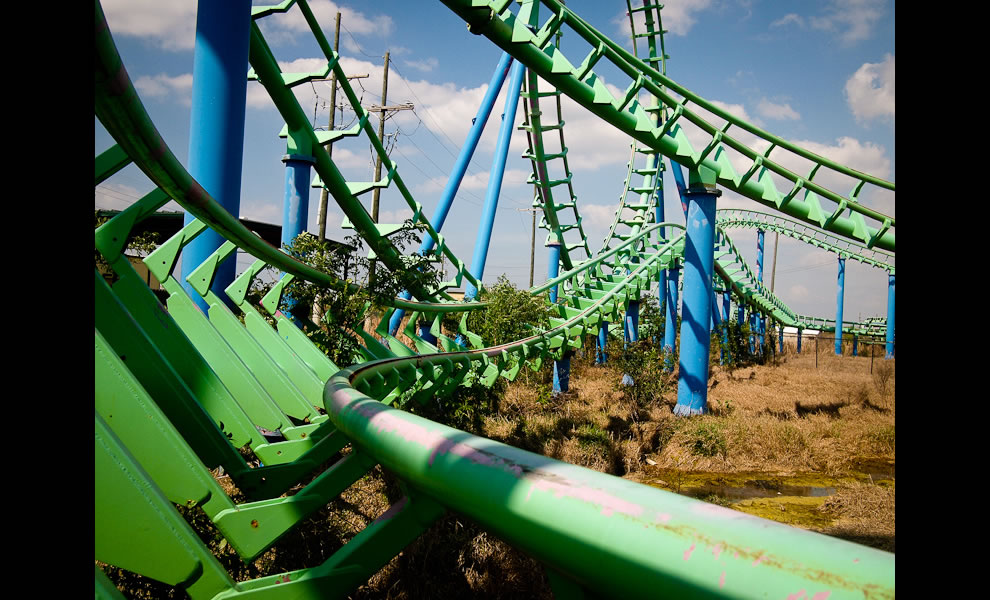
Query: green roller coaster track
x=179 y=391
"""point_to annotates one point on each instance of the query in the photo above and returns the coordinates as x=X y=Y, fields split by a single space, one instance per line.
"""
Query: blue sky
x=820 y=74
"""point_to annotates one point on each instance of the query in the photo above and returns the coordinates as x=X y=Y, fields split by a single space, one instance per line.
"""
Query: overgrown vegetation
x=341 y=308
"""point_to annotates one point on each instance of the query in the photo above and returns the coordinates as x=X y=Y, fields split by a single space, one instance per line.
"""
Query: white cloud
x=283 y=28
x=422 y=65
x=678 y=17
x=787 y=19
x=598 y=215
x=870 y=91
x=853 y=20
x=168 y=25
x=779 y=112
x=164 y=86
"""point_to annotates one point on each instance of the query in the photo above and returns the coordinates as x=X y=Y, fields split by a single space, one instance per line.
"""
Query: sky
x=818 y=74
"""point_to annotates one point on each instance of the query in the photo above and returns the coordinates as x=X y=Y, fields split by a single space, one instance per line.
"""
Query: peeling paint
x=662 y=518
x=760 y=559
x=821 y=595
x=687 y=553
x=608 y=502
x=800 y=594
x=717 y=550
x=721 y=580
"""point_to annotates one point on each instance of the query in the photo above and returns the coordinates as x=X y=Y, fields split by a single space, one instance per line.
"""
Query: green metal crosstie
x=180 y=392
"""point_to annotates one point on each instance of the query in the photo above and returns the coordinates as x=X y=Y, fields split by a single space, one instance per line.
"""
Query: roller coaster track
x=180 y=391
x=496 y=21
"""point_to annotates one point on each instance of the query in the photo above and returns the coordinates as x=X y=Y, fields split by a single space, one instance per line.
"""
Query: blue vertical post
x=562 y=367
x=460 y=167
x=752 y=331
x=601 y=355
x=890 y=318
x=631 y=323
x=838 y=305
x=216 y=128
x=855 y=344
x=780 y=338
x=553 y=266
x=699 y=259
x=495 y=180
x=295 y=208
x=717 y=325
x=799 y=341
x=670 y=318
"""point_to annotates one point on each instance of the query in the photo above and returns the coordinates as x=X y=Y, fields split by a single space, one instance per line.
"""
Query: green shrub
x=708 y=439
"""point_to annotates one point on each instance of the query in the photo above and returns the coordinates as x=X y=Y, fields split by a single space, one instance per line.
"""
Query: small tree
x=343 y=306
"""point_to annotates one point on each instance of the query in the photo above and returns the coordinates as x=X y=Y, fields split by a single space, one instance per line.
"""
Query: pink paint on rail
x=687 y=553
x=800 y=594
x=721 y=580
x=608 y=502
x=821 y=595
x=717 y=550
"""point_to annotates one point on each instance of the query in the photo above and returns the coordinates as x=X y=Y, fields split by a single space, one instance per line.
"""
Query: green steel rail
x=876 y=327
x=540 y=158
x=178 y=393
x=751 y=219
x=641 y=200
x=848 y=218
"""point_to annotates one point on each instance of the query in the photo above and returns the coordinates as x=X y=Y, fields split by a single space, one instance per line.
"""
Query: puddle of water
x=756 y=489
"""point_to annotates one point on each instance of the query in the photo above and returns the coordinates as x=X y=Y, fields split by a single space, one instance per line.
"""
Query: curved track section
x=803 y=195
x=181 y=393
x=751 y=219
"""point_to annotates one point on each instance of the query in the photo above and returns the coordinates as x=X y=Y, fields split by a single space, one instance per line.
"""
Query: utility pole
x=381 y=137
x=532 y=244
x=324 y=194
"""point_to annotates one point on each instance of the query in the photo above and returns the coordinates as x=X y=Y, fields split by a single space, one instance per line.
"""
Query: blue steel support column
x=216 y=128
x=495 y=180
x=670 y=318
x=752 y=331
x=601 y=355
x=460 y=167
x=562 y=367
x=855 y=344
x=631 y=323
x=699 y=259
x=780 y=338
x=838 y=305
x=799 y=341
x=890 y=318
x=295 y=208
x=717 y=325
